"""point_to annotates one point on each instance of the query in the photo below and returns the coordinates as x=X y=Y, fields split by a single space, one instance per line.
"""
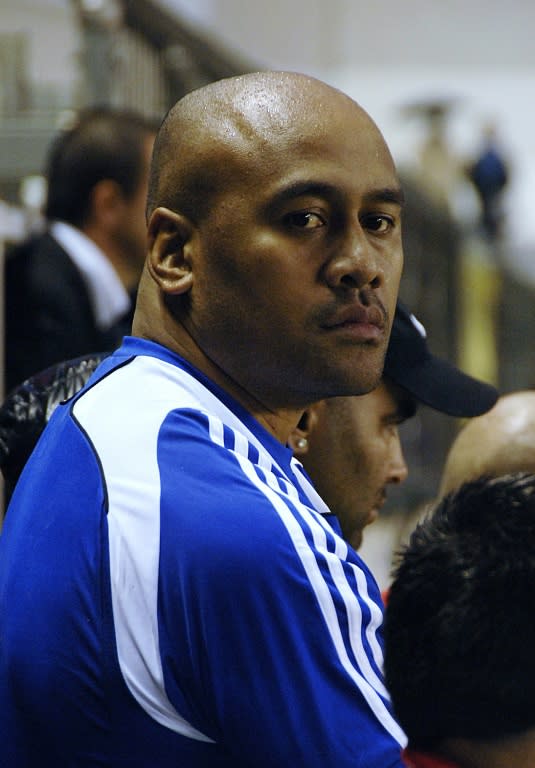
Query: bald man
x=173 y=592
x=499 y=442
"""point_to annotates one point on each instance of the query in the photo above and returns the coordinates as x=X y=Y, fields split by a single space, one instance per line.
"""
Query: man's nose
x=398 y=472
x=355 y=263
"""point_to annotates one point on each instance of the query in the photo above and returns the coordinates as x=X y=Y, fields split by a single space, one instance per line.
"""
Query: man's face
x=298 y=261
x=354 y=452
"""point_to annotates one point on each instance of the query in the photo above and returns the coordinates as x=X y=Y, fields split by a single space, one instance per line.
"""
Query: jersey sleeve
x=270 y=631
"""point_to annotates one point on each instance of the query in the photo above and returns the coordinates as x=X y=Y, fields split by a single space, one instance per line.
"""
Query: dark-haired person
x=173 y=592
x=460 y=629
x=70 y=290
x=350 y=446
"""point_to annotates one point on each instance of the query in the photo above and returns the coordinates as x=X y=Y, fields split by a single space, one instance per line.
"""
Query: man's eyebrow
x=324 y=189
x=302 y=188
x=386 y=195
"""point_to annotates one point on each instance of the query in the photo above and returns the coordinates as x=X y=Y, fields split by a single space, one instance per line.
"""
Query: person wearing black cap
x=350 y=446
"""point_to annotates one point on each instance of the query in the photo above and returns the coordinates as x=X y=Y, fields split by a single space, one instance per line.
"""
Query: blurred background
x=451 y=86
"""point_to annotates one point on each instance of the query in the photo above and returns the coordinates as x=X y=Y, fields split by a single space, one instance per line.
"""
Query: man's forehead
x=276 y=177
x=293 y=165
x=268 y=110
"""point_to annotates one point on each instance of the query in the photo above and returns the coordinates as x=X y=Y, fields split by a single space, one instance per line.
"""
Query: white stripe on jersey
x=367 y=682
x=319 y=528
x=134 y=523
x=360 y=577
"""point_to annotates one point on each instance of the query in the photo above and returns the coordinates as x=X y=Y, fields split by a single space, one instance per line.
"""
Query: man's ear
x=170 y=242
x=299 y=440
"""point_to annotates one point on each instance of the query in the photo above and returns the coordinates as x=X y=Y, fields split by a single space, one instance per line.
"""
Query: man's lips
x=358 y=316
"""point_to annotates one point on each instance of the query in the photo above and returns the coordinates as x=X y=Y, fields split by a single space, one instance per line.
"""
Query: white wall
x=317 y=36
x=53 y=45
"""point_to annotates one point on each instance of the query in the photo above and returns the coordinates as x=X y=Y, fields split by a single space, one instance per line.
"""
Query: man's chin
x=364 y=386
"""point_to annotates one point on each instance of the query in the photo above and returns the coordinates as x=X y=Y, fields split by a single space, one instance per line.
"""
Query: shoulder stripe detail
x=352 y=606
x=376 y=618
x=325 y=601
x=362 y=584
x=354 y=611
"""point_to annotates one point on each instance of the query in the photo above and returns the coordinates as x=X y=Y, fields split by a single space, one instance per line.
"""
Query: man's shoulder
x=170 y=429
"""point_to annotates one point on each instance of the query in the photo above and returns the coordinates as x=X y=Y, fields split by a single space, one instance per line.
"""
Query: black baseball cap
x=430 y=379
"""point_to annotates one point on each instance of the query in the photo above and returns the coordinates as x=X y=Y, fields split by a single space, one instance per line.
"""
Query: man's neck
x=280 y=422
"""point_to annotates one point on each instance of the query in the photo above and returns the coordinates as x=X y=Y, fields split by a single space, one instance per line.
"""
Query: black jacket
x=49 y=317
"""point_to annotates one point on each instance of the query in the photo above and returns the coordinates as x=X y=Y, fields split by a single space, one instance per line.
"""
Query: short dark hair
x=460 y=617
x=103 y=143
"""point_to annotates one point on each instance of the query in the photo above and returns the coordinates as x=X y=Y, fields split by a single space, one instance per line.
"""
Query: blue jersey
x=173 y=592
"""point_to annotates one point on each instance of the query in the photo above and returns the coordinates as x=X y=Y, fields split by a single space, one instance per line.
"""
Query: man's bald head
x=499 y=442
x=224 y=129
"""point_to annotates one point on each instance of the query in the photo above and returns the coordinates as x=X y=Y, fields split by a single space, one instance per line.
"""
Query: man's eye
x=304 y=220
x=379 y=224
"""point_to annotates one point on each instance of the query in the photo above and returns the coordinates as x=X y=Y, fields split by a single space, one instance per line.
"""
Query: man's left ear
x=171 y=241
x=299 y=440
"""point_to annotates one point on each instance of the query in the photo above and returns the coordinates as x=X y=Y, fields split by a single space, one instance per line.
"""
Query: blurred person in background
x=70 y=290
x=489 y=174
